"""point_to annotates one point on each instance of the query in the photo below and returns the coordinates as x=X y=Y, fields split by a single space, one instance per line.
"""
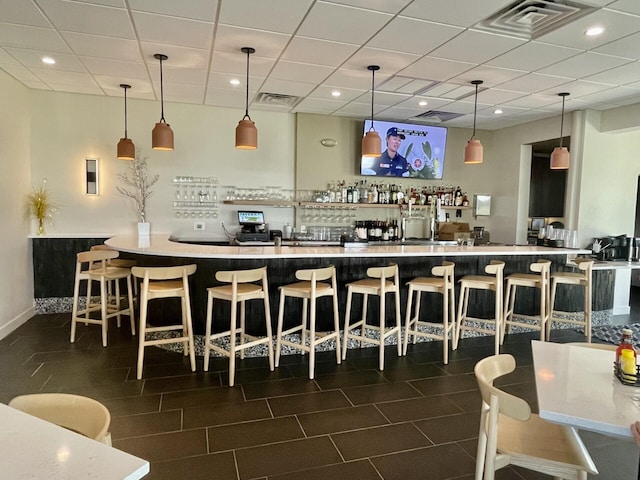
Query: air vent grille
x=530 y=19
x=277 y=99
x=437 y=116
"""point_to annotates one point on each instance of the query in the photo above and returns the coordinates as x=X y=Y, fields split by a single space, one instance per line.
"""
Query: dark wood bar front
x=351 y=263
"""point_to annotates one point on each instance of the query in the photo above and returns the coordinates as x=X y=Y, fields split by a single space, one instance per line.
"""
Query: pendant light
x=560 y=156
x=473 y=150
x=126 y=148
x=371 y=142
x=162 y=135
x=246 y=131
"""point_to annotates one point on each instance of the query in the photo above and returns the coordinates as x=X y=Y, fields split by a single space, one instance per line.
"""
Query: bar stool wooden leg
x=381 y=320
x=279 y=328
x=398 y=323
x=336 y=326
x=209 y=322
x=347 y=317
x=142 y=331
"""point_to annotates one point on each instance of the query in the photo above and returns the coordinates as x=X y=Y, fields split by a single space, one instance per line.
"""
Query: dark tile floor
x=417 y=419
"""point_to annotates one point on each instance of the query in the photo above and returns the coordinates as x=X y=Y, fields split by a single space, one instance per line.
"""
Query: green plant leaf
x=426 y=148
x=406 y=154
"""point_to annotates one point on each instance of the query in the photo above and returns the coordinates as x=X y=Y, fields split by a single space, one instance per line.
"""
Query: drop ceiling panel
x=625 y=47
x=37 y=38
x=538 y=101
x=580 y=87
x=315 y=105
x=433 y=103
x=585 y=64
x=232 y=39
x=33 y=58
x=346 y=95
x=283 y=16
x=182 y=57
x=622 y=75
x=533 y=56
x=327 y=53
x=340 y=23
x=408 y=35
x=303 y=72
x=158 y=28
x=24 y=13
x=534 y=83
x=115 y=68
x=617 y=25
x=390 y=62
x=103 y=47
x=389 y=6
x=348 y=78
x=629 y=6
x=440 y=69
x=477 y=47
x=288 y=87
x=87 y=18
x=205 y=11
x=139 y=88
x=492 y=76
x=236 y=63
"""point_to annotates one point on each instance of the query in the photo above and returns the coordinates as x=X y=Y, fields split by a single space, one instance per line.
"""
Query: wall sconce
x=91 y=177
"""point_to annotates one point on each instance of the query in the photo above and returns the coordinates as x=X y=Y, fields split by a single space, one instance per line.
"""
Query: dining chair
x=82 y=415
x=511 y=435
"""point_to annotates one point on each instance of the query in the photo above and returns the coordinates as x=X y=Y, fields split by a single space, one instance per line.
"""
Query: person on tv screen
x=391 y=163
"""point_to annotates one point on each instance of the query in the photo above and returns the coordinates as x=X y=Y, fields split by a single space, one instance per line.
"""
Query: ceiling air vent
x=437 y=116
x=530 y=19
x=277 y=99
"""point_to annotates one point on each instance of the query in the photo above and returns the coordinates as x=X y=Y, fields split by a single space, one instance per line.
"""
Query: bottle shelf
x=288 y=203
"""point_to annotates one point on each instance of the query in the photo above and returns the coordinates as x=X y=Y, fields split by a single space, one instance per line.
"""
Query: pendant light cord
x=475 y=111
x=373 y=76
x=161 y=95
x=562 y=121
x=125 y=112
x=246 y=98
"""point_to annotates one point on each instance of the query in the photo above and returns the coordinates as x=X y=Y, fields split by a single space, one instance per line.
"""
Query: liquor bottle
x=625 y=344
x=458 y=197
x=344 y=192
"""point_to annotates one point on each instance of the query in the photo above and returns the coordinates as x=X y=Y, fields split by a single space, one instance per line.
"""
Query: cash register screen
x=250 y=218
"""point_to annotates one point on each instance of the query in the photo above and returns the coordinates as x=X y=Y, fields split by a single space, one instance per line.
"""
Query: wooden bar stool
x=121 y=263
x=242 y=287
x=538 y=280
x=580 y=278
x=98 y=270
x=312 y=285
x=165 y=282
x=442 y=282
x=492 y=281
x=380 y=282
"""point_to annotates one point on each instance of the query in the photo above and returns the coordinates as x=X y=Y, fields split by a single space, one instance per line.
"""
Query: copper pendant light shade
x=371 y=142
x=560 y=157
x=162 y=135
x=246 y=131
x=473 y=152
x=126 y=148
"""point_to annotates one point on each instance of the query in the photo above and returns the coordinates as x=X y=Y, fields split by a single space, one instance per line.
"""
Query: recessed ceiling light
x=423 y=103
x=497 y=111
x=234 y=81
x=335 y=93
x=594 y=31
x=48 y=60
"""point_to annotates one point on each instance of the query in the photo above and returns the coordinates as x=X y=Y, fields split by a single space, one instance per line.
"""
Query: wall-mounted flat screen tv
x=408 y=150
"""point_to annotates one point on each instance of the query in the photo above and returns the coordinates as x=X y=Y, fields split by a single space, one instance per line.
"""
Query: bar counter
x=161 y=245
x=351 y=264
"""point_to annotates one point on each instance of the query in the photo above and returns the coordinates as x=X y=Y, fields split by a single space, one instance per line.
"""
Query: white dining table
x=31 y=448
x=576 y=386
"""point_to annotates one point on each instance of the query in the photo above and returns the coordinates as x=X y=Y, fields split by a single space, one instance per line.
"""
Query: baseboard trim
x=15 y=322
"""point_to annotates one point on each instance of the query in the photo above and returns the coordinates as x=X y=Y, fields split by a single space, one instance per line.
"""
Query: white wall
x=16 y=271
x=69 y=128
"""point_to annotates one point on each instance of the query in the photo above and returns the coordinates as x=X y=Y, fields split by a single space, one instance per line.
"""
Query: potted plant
x=138 y=185
x=39 y=205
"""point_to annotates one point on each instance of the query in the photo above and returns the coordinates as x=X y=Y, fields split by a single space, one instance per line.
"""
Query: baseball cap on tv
x=394 y=131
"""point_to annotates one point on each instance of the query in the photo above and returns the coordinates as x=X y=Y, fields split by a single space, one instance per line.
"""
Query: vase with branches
x=137 y=185
x=40 y=206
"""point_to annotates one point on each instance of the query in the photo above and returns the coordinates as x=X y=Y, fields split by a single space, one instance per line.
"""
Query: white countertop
x=31 y=448
x=576 y=386
x=159 y=244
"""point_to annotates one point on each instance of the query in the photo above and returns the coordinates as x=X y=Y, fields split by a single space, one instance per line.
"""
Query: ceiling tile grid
x=428 y=50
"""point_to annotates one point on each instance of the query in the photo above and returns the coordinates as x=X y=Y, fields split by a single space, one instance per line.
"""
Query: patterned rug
x=613 y=333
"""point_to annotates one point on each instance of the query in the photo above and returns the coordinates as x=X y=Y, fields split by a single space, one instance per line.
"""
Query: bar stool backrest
x=317 y=274
x=540 y=266
x=445 y=270
x=383 y=272
x=495 y=267
x=163 y=273
x=243 y=276
x=97 y=259
x=584 y=264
